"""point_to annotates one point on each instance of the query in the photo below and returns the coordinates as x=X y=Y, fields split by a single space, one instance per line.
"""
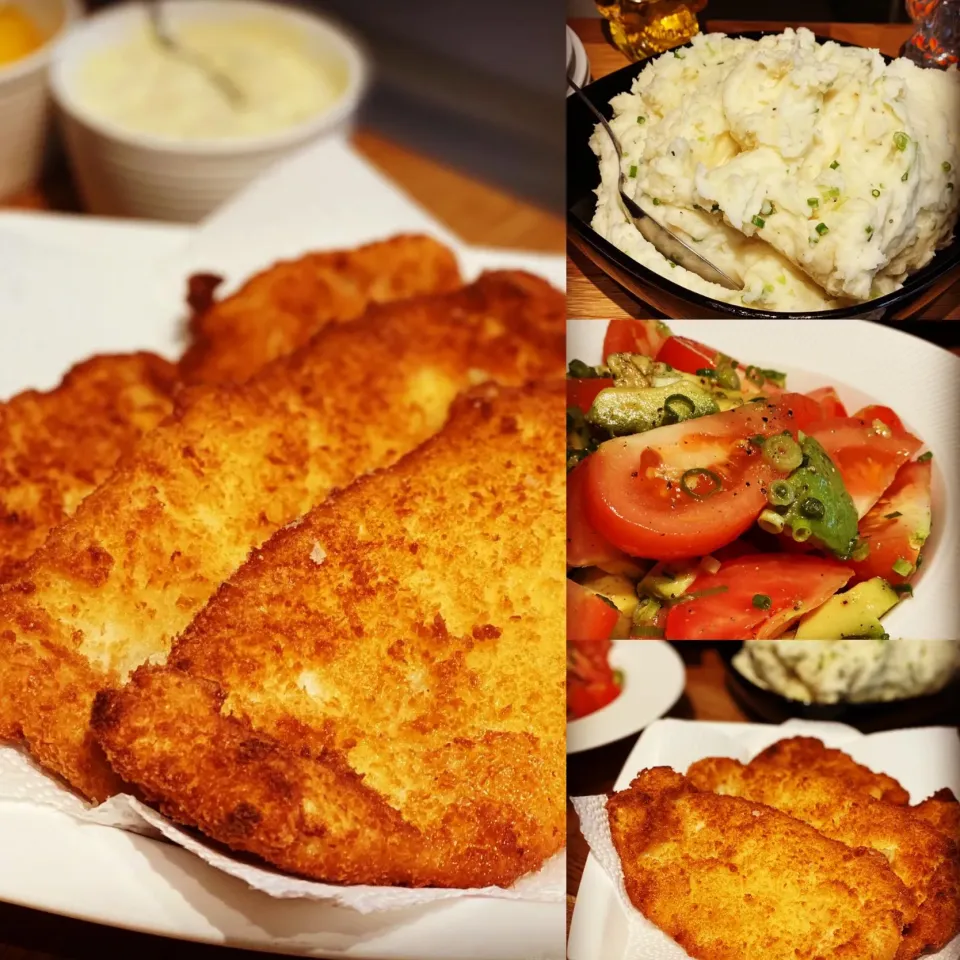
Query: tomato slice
x=896 y=528
x=582 y=393
x=829 y=401
x=585 y=547
x=590 y=680
x=634 y=336
x=634 y=493
x=588 y=617
x=883 y=414
x=734 y=600
x=867 y=459
x=687 y=355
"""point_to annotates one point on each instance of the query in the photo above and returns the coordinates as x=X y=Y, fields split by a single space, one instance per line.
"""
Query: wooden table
x=590 y=292
x=705 y=698
x=476 y=212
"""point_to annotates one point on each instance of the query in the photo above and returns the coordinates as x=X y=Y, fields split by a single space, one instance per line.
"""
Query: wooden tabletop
x=476 y=212
x=590 y=293
x=705 y=698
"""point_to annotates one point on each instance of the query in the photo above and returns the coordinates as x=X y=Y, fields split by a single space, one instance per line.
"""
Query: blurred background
x=852 y=11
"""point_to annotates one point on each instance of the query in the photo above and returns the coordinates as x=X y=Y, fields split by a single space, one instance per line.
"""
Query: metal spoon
x=161 y=32
x=667 y=243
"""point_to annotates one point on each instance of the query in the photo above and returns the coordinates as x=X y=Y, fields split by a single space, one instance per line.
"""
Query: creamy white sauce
x=729 y=142
x=850 y=671
x=145 y=88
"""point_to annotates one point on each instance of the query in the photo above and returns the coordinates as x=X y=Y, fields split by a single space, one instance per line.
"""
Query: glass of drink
x=642 y=28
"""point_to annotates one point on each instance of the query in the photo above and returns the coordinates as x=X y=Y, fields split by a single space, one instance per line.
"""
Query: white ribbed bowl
x=124 y=173
x=24 y=102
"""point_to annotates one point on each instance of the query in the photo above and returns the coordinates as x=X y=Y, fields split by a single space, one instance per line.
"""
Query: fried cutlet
x=808 y=753
x=941 y=811
x=57 y=446
x=279 y=309
x=733 y=880
x=114 y=585
x=376 y=696
x=922 y=857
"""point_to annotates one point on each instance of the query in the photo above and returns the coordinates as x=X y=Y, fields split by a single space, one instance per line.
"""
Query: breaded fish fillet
x=113 y=586
x=734 y=880
x=922 y=857
x=376 y=696
x=808 y=753
x=941 y=811
x=57 y=446
x=280 y=308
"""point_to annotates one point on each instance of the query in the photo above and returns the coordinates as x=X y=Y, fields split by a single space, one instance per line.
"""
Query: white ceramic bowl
x=127 y=173
x=24 y=102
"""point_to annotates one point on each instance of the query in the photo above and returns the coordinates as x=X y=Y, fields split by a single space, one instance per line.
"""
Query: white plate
x=578 y=66
x=119 y=286
x=653 y=681
x=922 y=760
x=867 y=363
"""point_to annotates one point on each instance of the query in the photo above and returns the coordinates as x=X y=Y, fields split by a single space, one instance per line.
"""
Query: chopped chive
x=923 y=458
x=900 y=140
x=947 y=166
x=633 y=170
x=905 y=177
x=641 y=119
x=835 y=164
x=679 y=55
x=868 y=229
x=833 y=193
x=813 y=201
x=822 y=228
x=697 y=472
x=902 y=567
x=892 y=516
x=759 y=222
x=761 y=601
x=657 y=201
x=876 y=193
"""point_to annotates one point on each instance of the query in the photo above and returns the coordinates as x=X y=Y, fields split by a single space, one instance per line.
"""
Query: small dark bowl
x=933 y=710
x=672 y=299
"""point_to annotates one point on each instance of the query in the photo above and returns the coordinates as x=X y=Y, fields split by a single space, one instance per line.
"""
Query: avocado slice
x=667 y=581
x=821 y=504
x=626 y=410
x=851 y=615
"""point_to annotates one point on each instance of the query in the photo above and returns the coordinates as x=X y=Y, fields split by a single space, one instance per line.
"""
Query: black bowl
x=672 y=299
x=933 y=710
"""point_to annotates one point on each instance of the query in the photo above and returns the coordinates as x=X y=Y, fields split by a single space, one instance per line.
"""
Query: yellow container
x=643 y=28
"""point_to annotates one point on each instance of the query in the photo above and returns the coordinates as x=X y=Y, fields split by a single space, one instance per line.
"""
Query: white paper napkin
x=923 y=760
x=23 y=781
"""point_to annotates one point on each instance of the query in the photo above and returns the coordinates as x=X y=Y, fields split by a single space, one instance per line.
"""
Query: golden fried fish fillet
x=733 y=880
x=57 y=446
x=808 y=753
x=922 y=857
x=279 y=309
x=377 y=695
x=114 y=585
x=941 y=811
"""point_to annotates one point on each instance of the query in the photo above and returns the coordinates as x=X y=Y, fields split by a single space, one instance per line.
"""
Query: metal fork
x=667 y=243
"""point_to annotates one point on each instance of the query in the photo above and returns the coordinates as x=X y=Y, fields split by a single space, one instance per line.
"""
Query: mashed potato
x=817 y=174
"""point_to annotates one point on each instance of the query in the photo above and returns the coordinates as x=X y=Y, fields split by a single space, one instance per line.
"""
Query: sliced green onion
x=706 y=372
x=727 y=377
x=783 y=452
x=802 y=533
x=679 y=55
x=657 y=201
x=902 y=567
x=901 y=140
x=876 y=193
x=822 y=228
x=771 y=521
x=698 y=595
x=761 y=601
x=641 y=119
x=687 y=408
x=700 y=472
x=924 y=457
x=781 y=494
x=766 y=208
x=892 y=516
x=835 y=164
x=903 y=589
x=812 y=508
x=759 y=222
x=860 y=552
x=833 y=193
x=947 y=166
x=869 y=230
x=633 y=170
x=906 y=177
x=813 y=201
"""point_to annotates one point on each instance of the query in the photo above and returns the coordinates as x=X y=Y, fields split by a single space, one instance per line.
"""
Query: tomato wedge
x=896 y=528
x=687 y=355
x=588 y=617
x=582 y=393
x=883 y=414
x=829 y=401
x=590 y=680
x=868 y=460
x=634 y=336
x=635 y=493
x=755 y=597
x=585 y=547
